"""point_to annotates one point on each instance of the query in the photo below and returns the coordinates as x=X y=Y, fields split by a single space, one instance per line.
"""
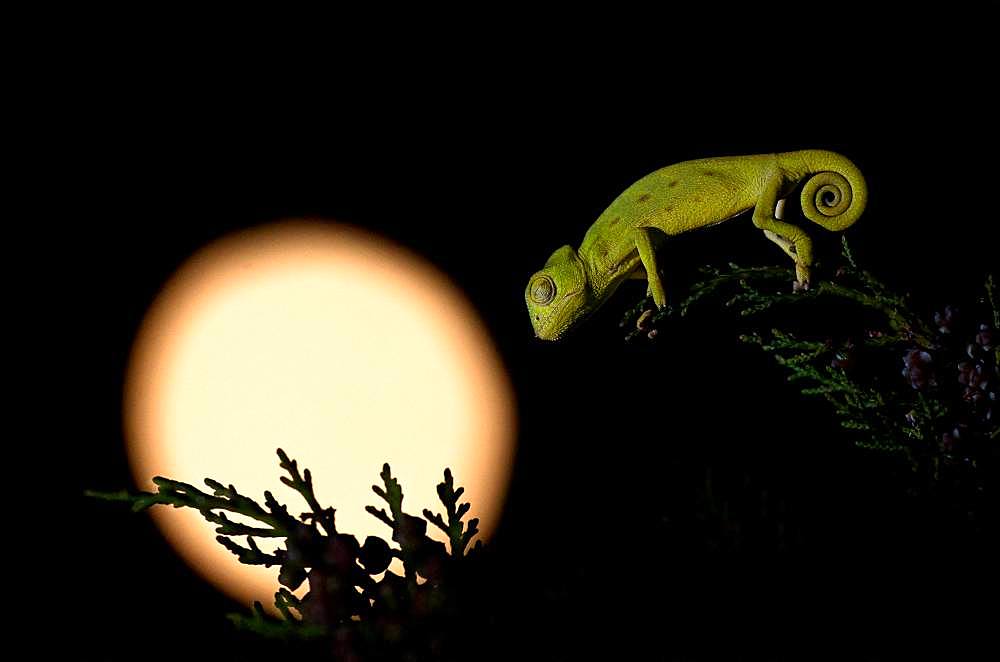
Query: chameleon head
x=558 y=295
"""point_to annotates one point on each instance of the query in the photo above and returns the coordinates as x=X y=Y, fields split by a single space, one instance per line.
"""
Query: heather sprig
x=924 y=390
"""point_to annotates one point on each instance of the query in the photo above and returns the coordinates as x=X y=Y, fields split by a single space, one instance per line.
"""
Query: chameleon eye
x=543 y=290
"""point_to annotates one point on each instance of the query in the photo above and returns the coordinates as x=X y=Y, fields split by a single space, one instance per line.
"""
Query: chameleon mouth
x=542 y=332
x=552 y=327
x=547 y=328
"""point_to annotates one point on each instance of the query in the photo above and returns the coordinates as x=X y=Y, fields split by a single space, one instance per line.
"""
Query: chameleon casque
x=622 y=242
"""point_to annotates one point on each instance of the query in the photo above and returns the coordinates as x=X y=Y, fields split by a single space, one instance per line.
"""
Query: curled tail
x=834 y=194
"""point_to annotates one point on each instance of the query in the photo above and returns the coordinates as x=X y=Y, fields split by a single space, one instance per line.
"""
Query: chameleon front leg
x=790 y=238
x=647 y=256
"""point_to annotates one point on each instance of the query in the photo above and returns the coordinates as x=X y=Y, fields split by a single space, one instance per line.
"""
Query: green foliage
x=348 y=609
x=921 y=390
x=760 y=289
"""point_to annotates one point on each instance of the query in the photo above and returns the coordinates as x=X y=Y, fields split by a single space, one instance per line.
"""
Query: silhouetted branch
x=458 y=534
x=345 y=606
x=303 y=485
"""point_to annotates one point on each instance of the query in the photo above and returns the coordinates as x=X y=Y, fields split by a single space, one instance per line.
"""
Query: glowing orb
x=335 y=345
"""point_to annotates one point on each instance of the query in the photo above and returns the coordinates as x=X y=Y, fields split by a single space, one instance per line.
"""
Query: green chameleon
x=622 y=243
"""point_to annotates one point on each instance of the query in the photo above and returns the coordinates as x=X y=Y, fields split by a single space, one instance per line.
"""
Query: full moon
x=336 y=345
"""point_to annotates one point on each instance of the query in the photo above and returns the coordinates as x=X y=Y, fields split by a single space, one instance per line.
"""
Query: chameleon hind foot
x=644 y=319
x=802 y=278
x=801 y=281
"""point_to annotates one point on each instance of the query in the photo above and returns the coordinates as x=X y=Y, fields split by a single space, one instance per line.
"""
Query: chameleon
x=623 y=241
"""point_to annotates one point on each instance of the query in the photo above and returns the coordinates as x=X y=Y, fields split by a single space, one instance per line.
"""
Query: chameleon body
x=622 y=242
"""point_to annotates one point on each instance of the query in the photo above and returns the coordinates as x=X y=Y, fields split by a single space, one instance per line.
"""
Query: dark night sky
x=485 y=176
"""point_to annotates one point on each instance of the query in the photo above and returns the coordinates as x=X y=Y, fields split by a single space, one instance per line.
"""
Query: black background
x=485 y=168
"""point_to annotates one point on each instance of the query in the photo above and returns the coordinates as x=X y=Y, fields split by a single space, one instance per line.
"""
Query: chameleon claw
x=802 y=274
x=643 y=320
